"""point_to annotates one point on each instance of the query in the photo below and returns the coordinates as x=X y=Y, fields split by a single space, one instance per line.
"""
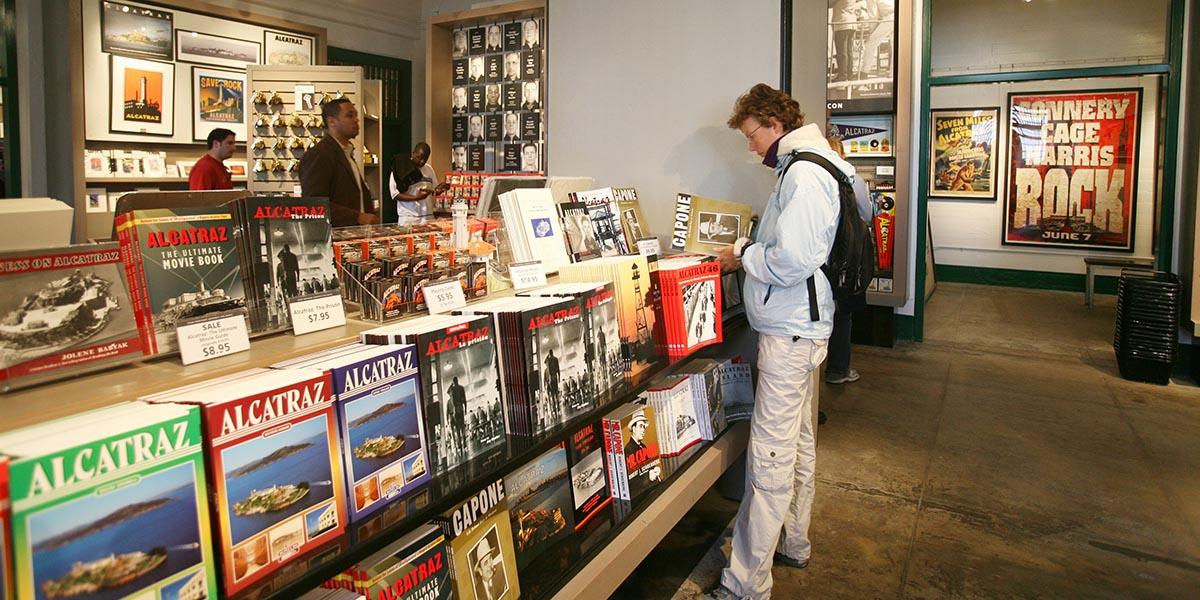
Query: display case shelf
x=115 y=180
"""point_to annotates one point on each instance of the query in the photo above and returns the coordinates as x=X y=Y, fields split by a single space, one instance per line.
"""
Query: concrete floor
x=1002 y=458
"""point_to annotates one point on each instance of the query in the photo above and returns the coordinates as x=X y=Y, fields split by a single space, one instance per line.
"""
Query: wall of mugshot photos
x=498 y=97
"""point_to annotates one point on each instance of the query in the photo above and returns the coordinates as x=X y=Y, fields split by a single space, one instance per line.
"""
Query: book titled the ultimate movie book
x=690 y=312
x=631 y=446
x=114 y=506
x=483 y=564
x=383 y=441
x=460 y=384
x=602 y=341
x=64 y=311
x=543 y=519
x=415 y=567
x=287 y=254
x=272 y=452
x=181 y=263
x=706 y=224
x=542 y=359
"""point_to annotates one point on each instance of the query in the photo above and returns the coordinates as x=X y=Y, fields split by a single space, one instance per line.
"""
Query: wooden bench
x=1123 y=262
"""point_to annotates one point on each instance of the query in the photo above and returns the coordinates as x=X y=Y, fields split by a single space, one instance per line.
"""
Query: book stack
x=706 y=390
x=604 y=213
x=737 y=389
x=602 y=342
x=411 y=568
x=690 y=309
x=378 y=401
x=589 y=487
x=181 y=263
x=67 y=310
x=679 y=416
x=460 y=384
x=635 y=296
x=632 y=452
x=542 y=359
x=271 y=441
x=706 y=224
x=633 y=222
x=481 y=556
x=534 y=228
x=542 y=519
x=286 y=255
x=111 y=502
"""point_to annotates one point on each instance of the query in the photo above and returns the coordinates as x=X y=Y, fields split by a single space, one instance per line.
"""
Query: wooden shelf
x=144 y=180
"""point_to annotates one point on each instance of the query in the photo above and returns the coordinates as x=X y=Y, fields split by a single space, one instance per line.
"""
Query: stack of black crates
x=1146 y=338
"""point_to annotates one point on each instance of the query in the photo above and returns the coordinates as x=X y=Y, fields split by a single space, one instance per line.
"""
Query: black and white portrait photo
x=530 y=35
x=512 y=66
x=717 y=228
x=458 y=158
x=529 y=157
x=488 y=577
x=460 y=43
x=512 y=127
x=494 y=41
x=529 y=96
x=459 y=102
x=492 y=97
x=475 y=69
x=475 y=129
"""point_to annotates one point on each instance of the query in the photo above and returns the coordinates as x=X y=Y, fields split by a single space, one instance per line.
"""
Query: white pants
x=780 y=464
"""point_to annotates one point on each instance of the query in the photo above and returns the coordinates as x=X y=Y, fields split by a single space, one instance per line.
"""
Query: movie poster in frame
x=860 y=57
x=142 y=96
x=209 y=49
x=1072 y=169
x=285 y=48
x=218 y=100
x=962 y=162
x=136 y=31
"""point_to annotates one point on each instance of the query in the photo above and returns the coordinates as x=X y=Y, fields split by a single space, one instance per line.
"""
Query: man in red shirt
x=209 y=173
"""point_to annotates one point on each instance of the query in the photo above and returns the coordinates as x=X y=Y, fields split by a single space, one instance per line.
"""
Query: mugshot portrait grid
x=497 y=103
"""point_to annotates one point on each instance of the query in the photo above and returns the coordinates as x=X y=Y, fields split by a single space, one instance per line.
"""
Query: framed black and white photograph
x=459 y=48
x=458 y=102
x=510 y=96
x=136 y=31
x=218 y=100
x=512 y=36
x=495 y=41
x=530 y=100
x=208 y=49
x=458 y=157
x=475 y=128
x=512 y=66
x=512 y=127
x=717 y=228
x=531 y=157
x=531 y=126
x=531 y=34
x=861 y=56
x=491 y=97
x=475 y=70
x=492 y=67
x=531 y=65
x=458 y=129
x=476 y=40
x=288 y=49
x=460 y=72
x=491 y=127
x=512 y=158
x=142 y=98
x=488 y=576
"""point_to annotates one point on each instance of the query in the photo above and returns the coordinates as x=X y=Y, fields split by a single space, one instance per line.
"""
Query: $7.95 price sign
x=314 y=313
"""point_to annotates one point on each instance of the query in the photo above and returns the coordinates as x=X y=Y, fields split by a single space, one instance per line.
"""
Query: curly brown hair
x=763 y=102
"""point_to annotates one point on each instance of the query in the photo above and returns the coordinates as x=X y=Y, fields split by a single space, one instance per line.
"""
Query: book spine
x=131 y=259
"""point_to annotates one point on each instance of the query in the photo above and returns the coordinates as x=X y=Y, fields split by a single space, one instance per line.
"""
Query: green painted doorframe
x=1172 y=70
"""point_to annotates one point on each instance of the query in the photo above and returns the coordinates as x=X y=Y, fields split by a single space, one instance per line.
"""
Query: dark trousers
x=839 y=342
x=843 y=44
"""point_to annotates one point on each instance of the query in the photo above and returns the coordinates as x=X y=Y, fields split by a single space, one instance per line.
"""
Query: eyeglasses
x=751 y=134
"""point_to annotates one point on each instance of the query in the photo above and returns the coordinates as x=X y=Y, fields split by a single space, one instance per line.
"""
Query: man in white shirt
x=413 y=183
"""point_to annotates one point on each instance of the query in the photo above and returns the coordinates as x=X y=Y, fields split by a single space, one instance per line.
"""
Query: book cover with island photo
x=64 y=311
x=271 y=446
x=182 y=263
x=117 y=509
x=542 y=519
x=705 y=224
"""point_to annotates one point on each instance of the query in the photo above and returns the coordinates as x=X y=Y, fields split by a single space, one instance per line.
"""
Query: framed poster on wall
x=1072 y=169
x=141 y=98
x=208 y=49
x=218 y=100
x=962 y=163
x=136 y=31
x=287 y=49
x=861 y=57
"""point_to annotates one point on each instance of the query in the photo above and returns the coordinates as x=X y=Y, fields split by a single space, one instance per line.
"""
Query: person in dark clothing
x=290 y=271
x=332 y=168
x=458 y=413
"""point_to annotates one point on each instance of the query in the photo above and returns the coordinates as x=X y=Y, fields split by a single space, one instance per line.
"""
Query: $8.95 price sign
x=314 y=313
x=213 y=336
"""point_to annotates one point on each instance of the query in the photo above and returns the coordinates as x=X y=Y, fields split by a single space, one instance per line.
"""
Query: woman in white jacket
x=793 y=239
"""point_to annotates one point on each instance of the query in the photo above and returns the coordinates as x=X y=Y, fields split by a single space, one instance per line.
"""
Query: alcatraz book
x=112 y=508
x=181 y=263
x=288 y=254
x=705 y=224
x=415 y=567
x=272 y=452
x=65 y=311
x=483 y=564
x=589 y=487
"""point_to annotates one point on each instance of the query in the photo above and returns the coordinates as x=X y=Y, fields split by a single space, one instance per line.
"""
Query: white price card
x=314 y=313
x=212 y=336
x=444 y=296
x=649 y=246
x=527 y=275
x=885 y=170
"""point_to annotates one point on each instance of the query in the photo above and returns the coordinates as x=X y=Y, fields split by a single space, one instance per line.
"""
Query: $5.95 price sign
x=444 y=296
x=314 y=313
x=212 y=336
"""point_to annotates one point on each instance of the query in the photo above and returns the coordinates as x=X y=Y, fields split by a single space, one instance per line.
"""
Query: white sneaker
x=850 y=376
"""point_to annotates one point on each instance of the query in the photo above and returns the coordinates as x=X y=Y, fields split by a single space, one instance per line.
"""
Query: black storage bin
x=1146 y=337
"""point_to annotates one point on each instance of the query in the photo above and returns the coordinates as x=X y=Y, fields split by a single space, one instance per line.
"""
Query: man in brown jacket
x=331 y=169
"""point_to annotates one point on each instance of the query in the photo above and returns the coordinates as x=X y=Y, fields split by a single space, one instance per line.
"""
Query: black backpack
x=851 y=265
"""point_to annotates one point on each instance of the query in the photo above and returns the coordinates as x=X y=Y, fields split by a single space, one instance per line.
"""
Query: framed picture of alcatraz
x=136 y=31
x=288 y=49
x=208 y=49
x=218 y=100
x=142 y=96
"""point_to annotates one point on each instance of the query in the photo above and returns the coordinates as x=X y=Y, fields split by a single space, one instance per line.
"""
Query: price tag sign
x=649 y=246
x=212 y=336
x=527 y=275
x=314 y=313
x=444 y=296
x=885 y=170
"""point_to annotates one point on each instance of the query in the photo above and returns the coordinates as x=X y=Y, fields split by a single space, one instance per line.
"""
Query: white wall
x=968 y=232
x=640 y=91
x=1004 y=35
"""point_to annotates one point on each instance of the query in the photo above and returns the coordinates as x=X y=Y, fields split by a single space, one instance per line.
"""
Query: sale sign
x=1072 y=170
